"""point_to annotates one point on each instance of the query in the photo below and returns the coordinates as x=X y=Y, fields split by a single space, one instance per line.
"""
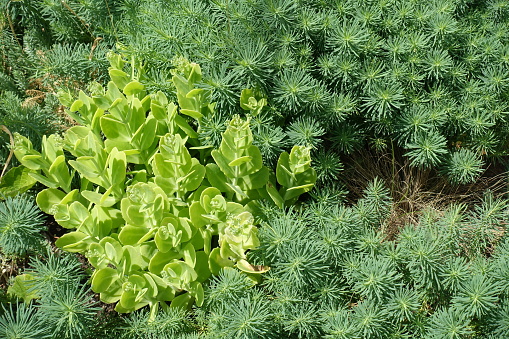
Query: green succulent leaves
x=153 y=219
x=238 y=164
x=252 y=101
x=294 y=173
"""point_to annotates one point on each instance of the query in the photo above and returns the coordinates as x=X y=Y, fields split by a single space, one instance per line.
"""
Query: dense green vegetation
x=157 y=139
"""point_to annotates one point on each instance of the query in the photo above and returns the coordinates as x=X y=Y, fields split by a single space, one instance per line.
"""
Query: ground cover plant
x=196 y=219
x=402 y=76
x=424 y=78
x=147 y=213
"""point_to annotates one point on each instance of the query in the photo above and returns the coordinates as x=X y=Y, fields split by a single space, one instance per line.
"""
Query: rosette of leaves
x=21 y=223
x=151 y=200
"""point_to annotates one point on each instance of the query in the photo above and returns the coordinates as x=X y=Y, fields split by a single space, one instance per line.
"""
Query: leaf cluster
x=345 y=74
x=56 y=302
x=155 y=212
x=334 y=276
x=21 y=223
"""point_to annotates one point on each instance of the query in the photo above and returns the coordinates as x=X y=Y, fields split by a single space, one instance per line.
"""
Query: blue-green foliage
x=167 y=324
x=428 y=78
x=27 y=118
x=66 y=306
x=21 y=321
x=333 y=275
x=70 y=313
x=45 y=46
x=430 y=75
x=54 y=272
x=21 y=223
x=411 y=71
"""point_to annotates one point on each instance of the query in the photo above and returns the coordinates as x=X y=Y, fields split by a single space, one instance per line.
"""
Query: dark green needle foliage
x=438 y=63
x=21 y=223
x=382 y=100
x=347 y=138
x=449 y=323
x=70 y=312
x=168 y=323
x=253 y=60
x=330 y=195
x=271 y=142
x=340 y=106
x=52 y=273
x=427 y=150
x=305 y=132
x=328 y=166
x=367 y=240
x=477 y=296
x=64 y=64
x=21 y=321
x=27 y=118
x=481 y=265
x=211 y=129
x=220 y=83
x=348 y=37
x=414 y=121
x=342 y=62
x=463 y=166
x=427 y=79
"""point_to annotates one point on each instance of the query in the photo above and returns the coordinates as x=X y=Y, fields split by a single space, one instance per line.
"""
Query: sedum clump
x=154 y=211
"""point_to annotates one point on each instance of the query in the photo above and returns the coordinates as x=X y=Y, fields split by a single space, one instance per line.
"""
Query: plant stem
x=6 y=130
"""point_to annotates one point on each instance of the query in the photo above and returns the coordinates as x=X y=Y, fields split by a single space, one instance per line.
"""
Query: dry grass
x=413 y=189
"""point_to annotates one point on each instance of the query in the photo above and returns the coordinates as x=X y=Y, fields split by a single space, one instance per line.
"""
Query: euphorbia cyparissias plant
x=156 y=213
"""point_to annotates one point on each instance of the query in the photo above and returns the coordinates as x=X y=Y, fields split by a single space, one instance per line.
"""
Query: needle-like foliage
x=70 y=313
x=477 y=296
x=449 y=323
x=53 y=273
x=21 y=223
x=169 y=323
x=23 y=321
x=394 y=63
x=426 y=79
